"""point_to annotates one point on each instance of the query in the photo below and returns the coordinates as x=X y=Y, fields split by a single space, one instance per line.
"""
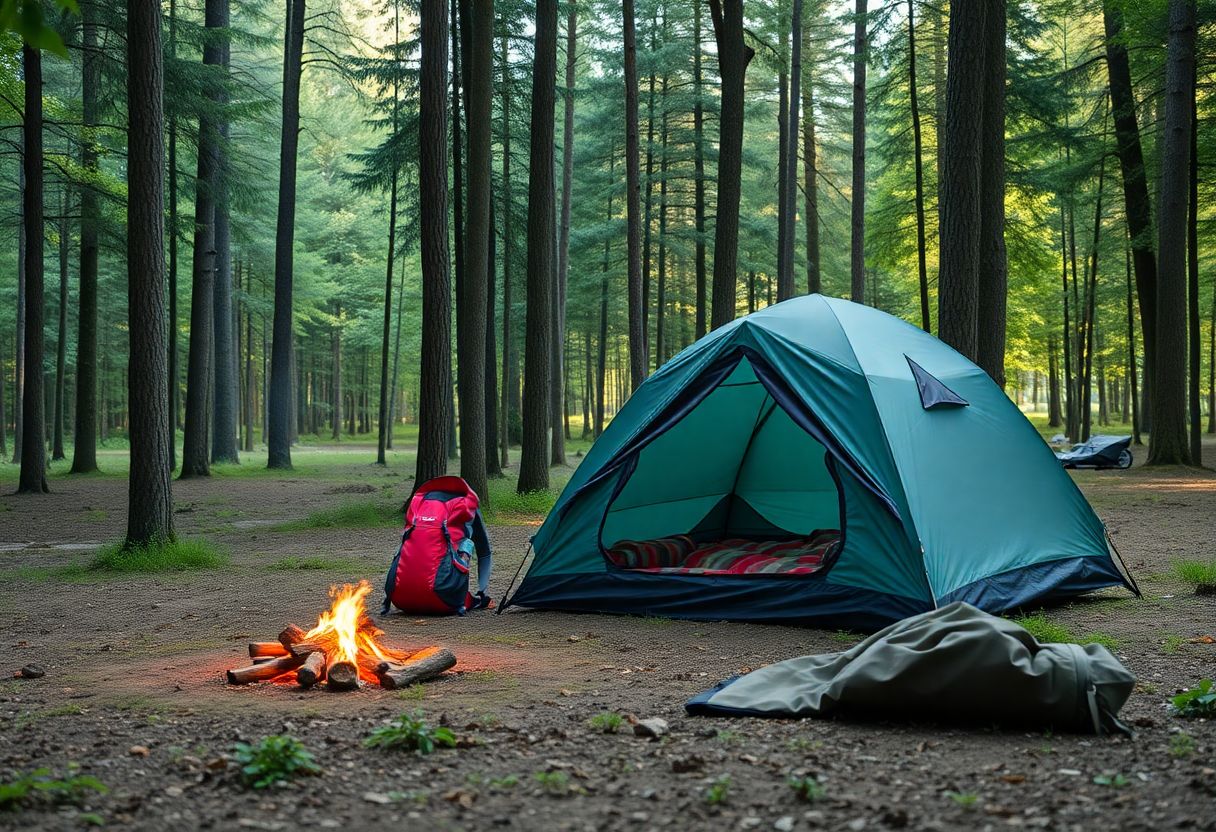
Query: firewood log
x=342 y=676
x=423 y=665
x=313 y=669
x=290 y=635
x=258 y=649
x=324 y=643
x=264 y=659
x=265 y=670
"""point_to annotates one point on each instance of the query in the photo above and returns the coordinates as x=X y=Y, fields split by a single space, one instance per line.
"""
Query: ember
x=343 y=649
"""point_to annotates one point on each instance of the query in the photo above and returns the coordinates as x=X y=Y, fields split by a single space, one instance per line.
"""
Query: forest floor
x=134 y=692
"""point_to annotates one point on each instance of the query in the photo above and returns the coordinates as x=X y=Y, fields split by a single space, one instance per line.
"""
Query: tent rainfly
x=818 y=462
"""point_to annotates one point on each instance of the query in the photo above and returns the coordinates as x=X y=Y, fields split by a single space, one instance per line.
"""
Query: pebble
x=30 y=671
x=654 y=727
x=784 y=824
x=138 y=751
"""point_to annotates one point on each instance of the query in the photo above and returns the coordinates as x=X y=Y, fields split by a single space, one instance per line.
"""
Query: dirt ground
x=134 y=691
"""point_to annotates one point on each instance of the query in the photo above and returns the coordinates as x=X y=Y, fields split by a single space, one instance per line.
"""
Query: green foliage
x=26 y=18
x=966 y=800
x=354 y=515
x=1199 y=701
x=41 y=785
x=165 y=556
x=1198 y=573
x=807 y=788
x=274 y=759
x=410 y=732
x=1182 y=745
x=607 y=722
x=556 y=783
x=1115 y=780
x=504 y=783
x=1049 y=632
x=718 y=792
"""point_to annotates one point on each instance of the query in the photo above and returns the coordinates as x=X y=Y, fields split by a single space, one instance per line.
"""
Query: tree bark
x=471 y=305
x=1168 y=439
x=224 y=447
x=174 y=233
x=660 y=316
x=993 y=263
x=857 y=247
x=280 y=404
x=601 y=372
x=698 y=128
x=493 y=461
x=1137 y=207
x=557 y=452
x=434 y=388
x=1131 y=350
x=1211 y=365
x=1054 y=419
x=1091 y=309
x=19 y=345
x=922 y=270
x=785 y=280
x=961 y=161
x=784 y=138
x=810 y=168
x=733 y=57
x=61 y=343
x=150 y=504
x=1192 y=272
x=508 y=243
x=32 y=479
x=633 y=206
x=534 y=453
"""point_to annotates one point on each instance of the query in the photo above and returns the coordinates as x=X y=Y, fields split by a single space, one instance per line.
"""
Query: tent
x=817 y=462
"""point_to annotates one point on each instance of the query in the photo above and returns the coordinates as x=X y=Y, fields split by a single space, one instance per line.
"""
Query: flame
x=355 y=638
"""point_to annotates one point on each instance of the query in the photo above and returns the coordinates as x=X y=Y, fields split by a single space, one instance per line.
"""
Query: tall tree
x=61 y=342
x=557 y=402
x=509 y=380
x=993 y=265
x=1137 y=208
x=1131 y=350
x=1168 y=437
x=32 y=479
x=280 y=399
x=922 y=271
x=698 y=121
x=385 y=435
x=733 y=57
x=857 y=248
x=1192 y=283
x=785 y=278
x=84 y=434
x=174 y=234
x=633 y=205
x=810 y=173
x=534 y=452
x=224 y=395
x=434 y=387
x=150 y=500
x=471 y=305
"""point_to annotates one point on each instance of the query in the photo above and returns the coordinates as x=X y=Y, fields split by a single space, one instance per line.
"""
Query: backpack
x=430 y=572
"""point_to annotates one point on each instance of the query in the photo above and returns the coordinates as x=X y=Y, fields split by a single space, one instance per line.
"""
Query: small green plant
x=353 y=515
x=607 y=722
x=414 y=693
x=1115 y=781
x=1182 y=745
x=553 y=782
x=1198 y=573
x=727 y=737
x=163 y=556
x=966 y=800
x=274 y=759
x=501 y=784
x=1105 y=639
x=807 y=788
x=803 y=744
x=1172 y=643
x=41 y=785
x=718 y=791
x=1049 y=632
x=410 y=732
x=1199 y=701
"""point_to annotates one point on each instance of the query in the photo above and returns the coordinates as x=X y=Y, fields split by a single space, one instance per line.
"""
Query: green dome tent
x=823 y=462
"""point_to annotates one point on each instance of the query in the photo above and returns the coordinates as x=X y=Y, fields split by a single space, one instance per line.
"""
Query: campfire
x=342 y=650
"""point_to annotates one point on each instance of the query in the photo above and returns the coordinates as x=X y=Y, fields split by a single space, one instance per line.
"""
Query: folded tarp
x=954 y=664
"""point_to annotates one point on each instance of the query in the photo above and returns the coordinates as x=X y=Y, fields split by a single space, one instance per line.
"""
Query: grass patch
x=71 y=573
x=505 y=507
x=1198 y=573
x=313 y=564
x=167 y=556
x=356 y=515
x=1048 y=631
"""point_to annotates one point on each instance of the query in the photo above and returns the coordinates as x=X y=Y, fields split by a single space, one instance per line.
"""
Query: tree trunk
x=1168 y=438
x=224 y=447
x=784 y=137
x=434 y=388
x=648 y=207
x=922 y=270
x=471 y=304
x=61 y=343
x=534 y=453
x=150 y=503
x=84 y=434
x=1192 y=262
x=1131 y=351
x=557 y=403
x=335 y=339
x=961 y=189
x=19 y=346
x=384 y=424
x=251 y=386
x=633 y=206
x=785 y=280
x=174 y=232
x=280 y=404
x=1137 y=208
x=660 y=323
x=857 y=247
x=601 y=373
x=810 y=173
x=1054 y=419
x=991 y=278
x=493 y=461
x=508 y=243
x=698 y=128
x=733 y=58
x=1211 y=365
x=32 y=479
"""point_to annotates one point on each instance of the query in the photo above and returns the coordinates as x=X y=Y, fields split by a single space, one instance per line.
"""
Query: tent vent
x=932 y=392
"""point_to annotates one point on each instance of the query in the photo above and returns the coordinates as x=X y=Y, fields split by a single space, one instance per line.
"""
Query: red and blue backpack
x=430 y=573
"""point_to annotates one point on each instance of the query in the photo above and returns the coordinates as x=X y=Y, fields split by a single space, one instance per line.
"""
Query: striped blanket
x=734 y=556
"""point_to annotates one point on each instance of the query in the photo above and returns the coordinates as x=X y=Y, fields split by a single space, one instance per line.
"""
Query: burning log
x=423 y=665
x=260 y=649
x=266 y=670
x=342 y=676
x=291 y=635
x=313 y=669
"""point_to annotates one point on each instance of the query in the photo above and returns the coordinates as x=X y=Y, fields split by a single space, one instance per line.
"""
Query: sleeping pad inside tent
x=822 y=462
